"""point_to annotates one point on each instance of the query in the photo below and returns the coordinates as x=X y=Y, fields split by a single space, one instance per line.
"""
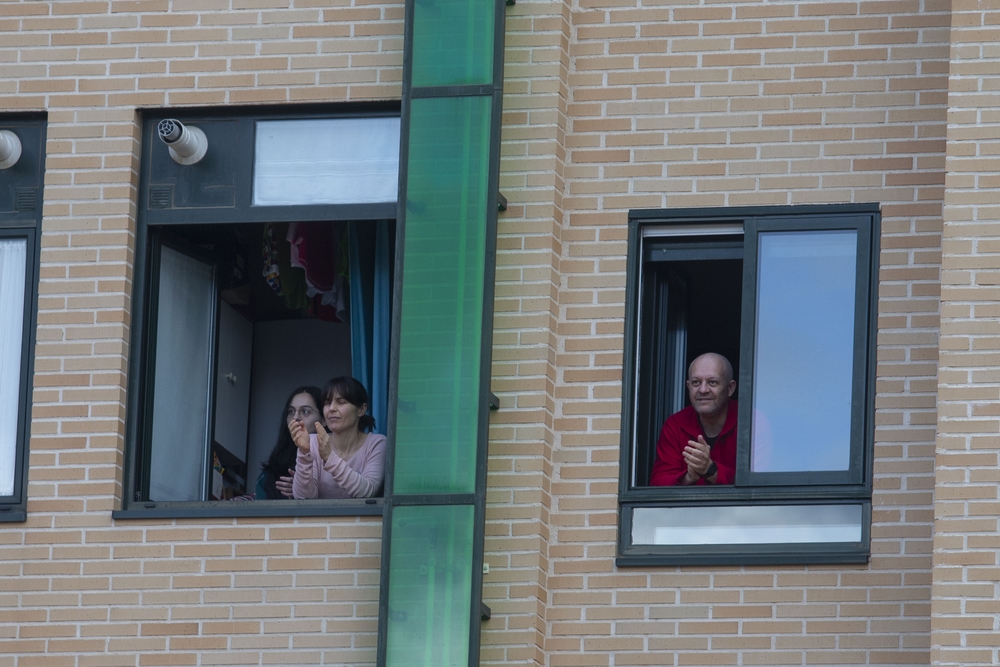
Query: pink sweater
x=360 y=476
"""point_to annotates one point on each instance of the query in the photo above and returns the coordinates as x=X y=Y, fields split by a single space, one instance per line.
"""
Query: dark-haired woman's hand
x=300 y=436
x=284 y=484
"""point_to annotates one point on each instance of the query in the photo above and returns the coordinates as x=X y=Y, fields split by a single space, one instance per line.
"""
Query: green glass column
x=452 y=42
x=432 y=552
x=441 y=324
x=431 y=585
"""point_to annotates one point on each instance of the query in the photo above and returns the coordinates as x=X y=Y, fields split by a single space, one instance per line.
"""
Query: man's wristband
x=712 y=469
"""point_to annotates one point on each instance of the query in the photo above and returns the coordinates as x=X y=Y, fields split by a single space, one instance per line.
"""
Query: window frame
x=752 y=488
x=151 y=225
x=27 y=175
x=753 y=227
x=159 y=238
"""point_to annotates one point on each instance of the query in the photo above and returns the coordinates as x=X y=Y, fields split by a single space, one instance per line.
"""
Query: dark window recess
x=788 y=295
x=232 y=329
x=679 y=277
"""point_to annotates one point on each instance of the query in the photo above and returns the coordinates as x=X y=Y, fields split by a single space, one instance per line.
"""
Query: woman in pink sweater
x=341 y=460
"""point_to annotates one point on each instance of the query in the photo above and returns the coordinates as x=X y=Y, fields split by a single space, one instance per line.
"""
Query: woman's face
x=341 y=415
x=304 y=409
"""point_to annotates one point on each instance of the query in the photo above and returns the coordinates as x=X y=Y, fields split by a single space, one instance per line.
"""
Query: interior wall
x=288 y=354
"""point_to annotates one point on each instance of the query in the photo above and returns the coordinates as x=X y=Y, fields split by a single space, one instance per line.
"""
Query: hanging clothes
x=293 y=281
x=269 y=253
x=287 y=281
x=316 y=249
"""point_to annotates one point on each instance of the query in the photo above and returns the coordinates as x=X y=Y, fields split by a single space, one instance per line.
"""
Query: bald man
x=698 y=444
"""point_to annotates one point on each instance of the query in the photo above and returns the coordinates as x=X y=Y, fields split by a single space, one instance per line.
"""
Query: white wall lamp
x=187 y=144
x=10 y=149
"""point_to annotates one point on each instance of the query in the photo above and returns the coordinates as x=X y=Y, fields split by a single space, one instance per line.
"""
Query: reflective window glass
x=804 y=351
x=184 y=345
x=747 y=524
x=13 y=255
x=326 y=161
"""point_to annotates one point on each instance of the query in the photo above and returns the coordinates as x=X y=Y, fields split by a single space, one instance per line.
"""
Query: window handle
x=231 y=377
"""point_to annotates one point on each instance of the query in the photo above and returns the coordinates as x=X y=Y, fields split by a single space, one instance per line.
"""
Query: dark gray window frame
x=240 y=149
x=21 y=218
x=757 y=488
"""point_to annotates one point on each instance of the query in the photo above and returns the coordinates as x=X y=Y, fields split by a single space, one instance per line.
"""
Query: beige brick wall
x=747 y=103
x=609 y=105
x=964 y=612
x=80 y=588
x=532 y=176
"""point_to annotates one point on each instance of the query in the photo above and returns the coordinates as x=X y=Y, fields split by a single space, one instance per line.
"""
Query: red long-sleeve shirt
x=670 y=466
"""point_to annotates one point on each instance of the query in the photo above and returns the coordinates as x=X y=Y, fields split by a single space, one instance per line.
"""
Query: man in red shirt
x=698 y=444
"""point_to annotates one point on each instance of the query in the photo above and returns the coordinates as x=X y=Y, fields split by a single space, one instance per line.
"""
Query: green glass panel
x=430 y=586
x=442 y=312
x=452 y=42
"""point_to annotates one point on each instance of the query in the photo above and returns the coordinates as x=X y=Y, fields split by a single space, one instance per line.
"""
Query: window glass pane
x=440 y=352
x=182 y=377
x=13 y=256
x=748 y=524
x=804 y=351
x=453 y=42
x=326 y=161
x=430 y=586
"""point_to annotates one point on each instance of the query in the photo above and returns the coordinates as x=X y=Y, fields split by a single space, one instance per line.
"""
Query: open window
x=267 y=265
x=788 y=295
x=235 y=327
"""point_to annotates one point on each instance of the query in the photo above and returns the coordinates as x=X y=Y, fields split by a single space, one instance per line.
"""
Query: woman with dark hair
x=345 y=462
x=303 y=407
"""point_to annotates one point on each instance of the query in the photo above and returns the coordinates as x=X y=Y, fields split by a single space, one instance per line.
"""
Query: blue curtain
x=380 y=326
x=370 y=304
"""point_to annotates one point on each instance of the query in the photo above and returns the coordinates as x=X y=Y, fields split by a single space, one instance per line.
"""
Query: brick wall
x=82 y=589
x=690 y=104
x=532 y=176
x=964 y=618
x=609 y=105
